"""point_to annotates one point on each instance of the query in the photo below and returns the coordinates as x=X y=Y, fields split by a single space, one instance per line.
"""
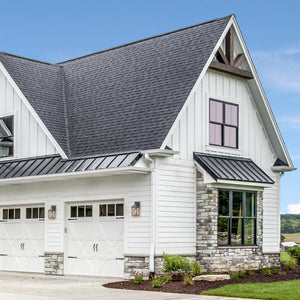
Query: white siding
x=131 y=188
x=176 y=207
x=192 y=134
x=30 y=139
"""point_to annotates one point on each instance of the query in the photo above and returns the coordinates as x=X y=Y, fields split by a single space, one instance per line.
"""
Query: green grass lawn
x=285 y=290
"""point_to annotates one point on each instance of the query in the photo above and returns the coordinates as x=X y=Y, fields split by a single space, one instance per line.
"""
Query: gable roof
x=118 y=100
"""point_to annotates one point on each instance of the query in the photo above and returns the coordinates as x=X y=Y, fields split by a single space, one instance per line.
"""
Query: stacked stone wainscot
x=54 y=263
x=214 y=258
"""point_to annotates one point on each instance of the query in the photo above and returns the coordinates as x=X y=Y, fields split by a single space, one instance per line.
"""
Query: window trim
x=223 y=124
x=11 y=136
x=243 y=218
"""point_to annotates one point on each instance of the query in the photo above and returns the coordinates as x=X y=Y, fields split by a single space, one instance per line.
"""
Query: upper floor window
x=6 y=136
x=223 y=124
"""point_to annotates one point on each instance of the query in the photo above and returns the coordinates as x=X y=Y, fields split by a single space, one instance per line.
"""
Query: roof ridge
x=30 y=59
x=145 y=39
x=65 y=105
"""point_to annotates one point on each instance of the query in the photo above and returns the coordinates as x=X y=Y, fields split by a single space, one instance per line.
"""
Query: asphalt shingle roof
x=121 y=99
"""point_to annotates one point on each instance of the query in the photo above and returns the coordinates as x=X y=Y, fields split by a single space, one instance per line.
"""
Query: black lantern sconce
x=52 y=212
x=136 y=209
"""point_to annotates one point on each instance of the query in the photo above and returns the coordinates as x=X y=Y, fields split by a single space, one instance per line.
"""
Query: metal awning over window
x=232 y=168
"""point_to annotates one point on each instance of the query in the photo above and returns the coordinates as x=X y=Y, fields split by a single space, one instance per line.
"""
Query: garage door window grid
x=35 y=213
x=11 y=213
x=81 y=211
x=111 y=210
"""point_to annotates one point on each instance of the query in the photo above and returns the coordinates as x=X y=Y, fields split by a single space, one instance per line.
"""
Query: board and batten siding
x=192 y=134
x=29 y=138
x=129 y=188
x=176 y=207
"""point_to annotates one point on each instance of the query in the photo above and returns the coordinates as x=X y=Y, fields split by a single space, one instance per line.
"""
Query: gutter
x=153 y=215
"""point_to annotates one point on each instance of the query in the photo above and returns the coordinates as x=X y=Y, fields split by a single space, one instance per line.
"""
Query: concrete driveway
x=25 y=286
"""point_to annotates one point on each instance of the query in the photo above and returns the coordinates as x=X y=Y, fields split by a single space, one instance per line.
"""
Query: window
x=81 y=211
x=223 y=124
x=237 y=218
x=11 y=214
x=35 y=213
x=6 y=137
x=111 y=210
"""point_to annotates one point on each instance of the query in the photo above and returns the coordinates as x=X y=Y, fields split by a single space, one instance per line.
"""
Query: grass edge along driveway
x=282 y=290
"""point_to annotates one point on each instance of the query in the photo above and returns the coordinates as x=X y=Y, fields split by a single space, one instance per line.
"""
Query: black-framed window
x=7 y=136
x=237 y=218
x=223 y=123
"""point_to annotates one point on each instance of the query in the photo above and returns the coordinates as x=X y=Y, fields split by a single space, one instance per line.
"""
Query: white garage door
x=22 y=238
x=95 y=239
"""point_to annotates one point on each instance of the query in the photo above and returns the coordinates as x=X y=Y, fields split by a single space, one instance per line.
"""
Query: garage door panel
x=95 y=243
x=22 y=243
x=109 y=267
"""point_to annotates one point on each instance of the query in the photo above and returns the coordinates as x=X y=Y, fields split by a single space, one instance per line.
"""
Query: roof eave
x=283 y=169
x=160 y=152
x=75 y=175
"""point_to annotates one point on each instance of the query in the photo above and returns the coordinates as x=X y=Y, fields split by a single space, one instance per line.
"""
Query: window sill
x=223 y=150
x=238 y=247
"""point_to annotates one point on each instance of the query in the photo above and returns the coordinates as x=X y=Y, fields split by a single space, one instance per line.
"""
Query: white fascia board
x=261 y=91
x=198 y=82
x=236 y=183
x=283 y=169
x=75 y=175
x=207 y=178
x=160 y=152
x=32 y=111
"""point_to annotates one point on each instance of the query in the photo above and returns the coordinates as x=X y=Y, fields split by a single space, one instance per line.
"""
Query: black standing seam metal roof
x=121 y=99
x=55 y=164
x=231 y=168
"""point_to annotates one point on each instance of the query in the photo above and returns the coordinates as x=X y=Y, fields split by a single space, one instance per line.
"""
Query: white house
x=167 y=144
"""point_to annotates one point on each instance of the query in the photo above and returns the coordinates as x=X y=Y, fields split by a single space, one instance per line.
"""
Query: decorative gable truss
x=230 y=59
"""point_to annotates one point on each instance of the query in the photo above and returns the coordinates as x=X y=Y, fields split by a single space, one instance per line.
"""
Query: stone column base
x=54 y=263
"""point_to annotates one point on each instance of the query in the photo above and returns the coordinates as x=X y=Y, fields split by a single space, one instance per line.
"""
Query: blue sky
x=54 y=31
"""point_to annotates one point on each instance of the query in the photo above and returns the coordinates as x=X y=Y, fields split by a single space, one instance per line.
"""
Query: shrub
x=166 y=278
x=161 y=280
x=291 y=263
x=176 y=264
x=277 y=271
x=266 y=272
x=249 y=272
x=295 y=252
x=156 y=282
x=236 y=275
x=196 y=269
x=138 y=277
x=188 y=279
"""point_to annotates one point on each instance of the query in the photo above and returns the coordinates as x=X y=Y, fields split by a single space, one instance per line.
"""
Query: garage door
x=22 y=238
x=95 y=239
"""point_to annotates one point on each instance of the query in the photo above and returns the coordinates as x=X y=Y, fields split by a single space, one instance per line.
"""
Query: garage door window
x=111 y=210
x=11 y=214
x=81 y=211
x=35 y=213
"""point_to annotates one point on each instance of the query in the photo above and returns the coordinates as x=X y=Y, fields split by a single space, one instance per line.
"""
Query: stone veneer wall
x=213 y=258
x=140 y=264
x=54 y=263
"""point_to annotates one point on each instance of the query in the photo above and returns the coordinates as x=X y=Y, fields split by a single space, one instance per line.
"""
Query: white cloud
x=280 y=68
x=294 y=208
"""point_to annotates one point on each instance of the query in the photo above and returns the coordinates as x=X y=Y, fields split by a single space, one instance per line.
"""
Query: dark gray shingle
x=117 y=100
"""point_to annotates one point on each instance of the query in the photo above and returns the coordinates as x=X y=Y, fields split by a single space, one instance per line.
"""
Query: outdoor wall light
x=52 y=212
x=136 y=209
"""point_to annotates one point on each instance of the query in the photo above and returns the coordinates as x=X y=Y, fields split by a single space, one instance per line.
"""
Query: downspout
x=153 y=215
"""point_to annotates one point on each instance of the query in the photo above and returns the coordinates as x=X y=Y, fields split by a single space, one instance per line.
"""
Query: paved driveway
x=25 y=286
